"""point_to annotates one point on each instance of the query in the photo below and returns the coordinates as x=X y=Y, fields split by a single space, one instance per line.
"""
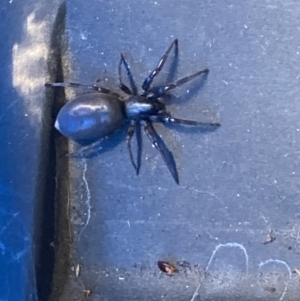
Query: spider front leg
x=86 y=149
x=159 y=91
x=148 y=81
x=161 y=147
x=134 y=127
x=77 y=85
x=123 y=87
x=167 y=118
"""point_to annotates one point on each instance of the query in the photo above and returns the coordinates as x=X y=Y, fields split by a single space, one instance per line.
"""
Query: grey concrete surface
x=238 y=184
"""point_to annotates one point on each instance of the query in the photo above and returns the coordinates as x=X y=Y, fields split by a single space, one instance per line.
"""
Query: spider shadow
x=173 y=67
x=186 y=129
x=106 y=145
x=193 y=92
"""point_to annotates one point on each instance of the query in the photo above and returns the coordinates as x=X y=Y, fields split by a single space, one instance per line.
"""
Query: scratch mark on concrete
x=218 y=247
x=205 y=192
x=278 y=261
x=293 y=234
x=68 y=209
x=88 y=199
x=229 y=245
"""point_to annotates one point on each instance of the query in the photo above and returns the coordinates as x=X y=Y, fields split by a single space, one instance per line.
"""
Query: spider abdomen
x=90 y=116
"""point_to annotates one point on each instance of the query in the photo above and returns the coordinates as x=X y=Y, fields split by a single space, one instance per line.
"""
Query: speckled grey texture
x=236 y=183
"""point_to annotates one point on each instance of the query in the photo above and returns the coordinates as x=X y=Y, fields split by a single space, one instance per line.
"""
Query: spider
x=97 y=115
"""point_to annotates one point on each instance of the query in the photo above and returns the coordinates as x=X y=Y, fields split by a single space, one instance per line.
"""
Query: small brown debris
x=167 y=267
x=297 y=271
x=87 y=293
x=184 y=264
x=270 y=289
x=270 y=238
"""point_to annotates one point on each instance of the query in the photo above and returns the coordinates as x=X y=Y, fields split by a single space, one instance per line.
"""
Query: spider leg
x=131 y=80
x=130 y=133
x=134 y=127
x=86 y=149
x=122 y=86
x=149 y=79
x=77 y=85
x=139 y=144
x=169 y=119
x=161 y=147
x=159 y=91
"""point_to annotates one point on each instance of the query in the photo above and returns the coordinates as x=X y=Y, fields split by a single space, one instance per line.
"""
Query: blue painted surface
x=18 y=171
